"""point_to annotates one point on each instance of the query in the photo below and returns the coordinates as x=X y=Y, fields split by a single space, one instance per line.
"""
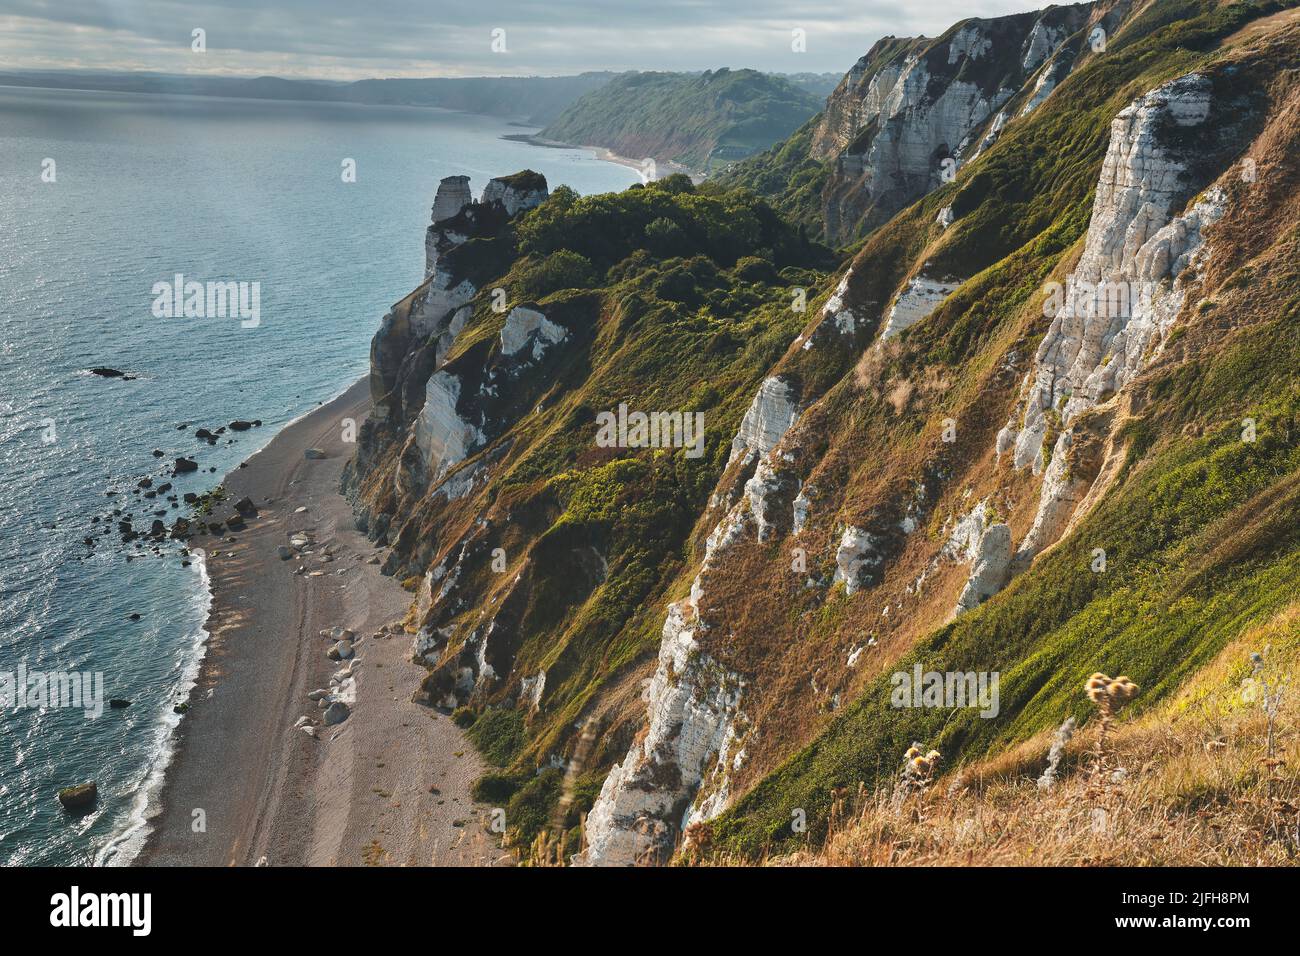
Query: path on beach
x=388 y=786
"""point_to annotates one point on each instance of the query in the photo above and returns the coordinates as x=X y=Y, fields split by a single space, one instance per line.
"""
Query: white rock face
x=962 y=543
x=758 y=491
x=531 y=690
x=1042 y=43
x=514 y=200
x=845 y=319
x=693 y=706
x=1124 y=296
x=921 y=297
x=802 y=507
x=1058 y=498
x=945 y=217
x=913 y=122
x=968 y=41
x=1048 y=80
x=991 y=568
x=771 y=414
x=453 y=196
x=524 y=326
x=856 y=556
x=444 y=295
x=443 y=438
x=693 y=703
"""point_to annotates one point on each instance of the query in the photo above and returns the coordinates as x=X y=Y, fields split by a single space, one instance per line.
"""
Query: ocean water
x=146 y=187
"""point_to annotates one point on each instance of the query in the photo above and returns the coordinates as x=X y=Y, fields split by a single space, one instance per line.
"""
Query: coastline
x=605 y=155
x=387 y=786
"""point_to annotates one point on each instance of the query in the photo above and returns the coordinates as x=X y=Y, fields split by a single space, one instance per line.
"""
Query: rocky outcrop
x=921 y=297
x=1118 y=305
x=693 y=706
x=443 y=437
x=525 y=327
x=857 y=559
x=677 y=774
x=775 y=408
x=517 y=193
x=899 y=123
x=990 y=570
x=436 y=416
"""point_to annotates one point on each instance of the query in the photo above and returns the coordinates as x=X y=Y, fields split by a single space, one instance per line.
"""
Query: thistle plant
x=918 y=772
x=1109 y=695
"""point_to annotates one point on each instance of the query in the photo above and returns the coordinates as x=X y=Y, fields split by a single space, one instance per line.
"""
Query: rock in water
x=79 y=798
x=184 y=466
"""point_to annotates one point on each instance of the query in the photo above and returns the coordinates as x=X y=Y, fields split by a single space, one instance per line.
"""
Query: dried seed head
x=932 y=756
x=912 y=752
x=921 y=765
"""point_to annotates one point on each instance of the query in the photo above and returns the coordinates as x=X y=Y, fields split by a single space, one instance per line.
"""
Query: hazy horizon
x=334 y=40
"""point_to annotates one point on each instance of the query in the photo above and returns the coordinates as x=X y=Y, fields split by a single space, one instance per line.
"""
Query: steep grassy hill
x=950 y=450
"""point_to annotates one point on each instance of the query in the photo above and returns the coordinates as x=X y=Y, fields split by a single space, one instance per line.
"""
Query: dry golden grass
x=1196 y=789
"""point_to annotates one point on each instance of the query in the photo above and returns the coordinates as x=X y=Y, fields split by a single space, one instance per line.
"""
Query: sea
x=105 y=198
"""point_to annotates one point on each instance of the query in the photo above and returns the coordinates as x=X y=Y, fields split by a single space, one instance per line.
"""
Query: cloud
x=348 y=39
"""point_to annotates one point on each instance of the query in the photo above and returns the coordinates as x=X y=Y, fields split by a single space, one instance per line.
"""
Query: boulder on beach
x=313 y=454
x=335 y=713
x=81 y=797
x=284 y=552
x=246 y=507
x=340 y=651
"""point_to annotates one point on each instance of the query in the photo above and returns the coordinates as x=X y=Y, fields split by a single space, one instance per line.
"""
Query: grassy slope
x=685 y=117
x=1197 y=789
x=671 y=309
x=1194 y=529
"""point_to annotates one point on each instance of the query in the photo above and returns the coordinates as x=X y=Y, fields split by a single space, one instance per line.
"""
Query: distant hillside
x=533 y=99
x=820 y=85
x=700 y=120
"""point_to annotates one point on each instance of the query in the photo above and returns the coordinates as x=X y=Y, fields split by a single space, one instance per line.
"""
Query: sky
x=353 y=39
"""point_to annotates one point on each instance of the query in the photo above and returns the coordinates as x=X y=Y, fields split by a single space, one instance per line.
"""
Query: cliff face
x=1041 y=424
x=912 y=111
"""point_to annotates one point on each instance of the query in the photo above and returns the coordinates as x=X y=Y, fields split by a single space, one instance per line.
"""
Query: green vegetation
x=1195 y=528
x=696 y=119
x=788 y=177
x=678 y=299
